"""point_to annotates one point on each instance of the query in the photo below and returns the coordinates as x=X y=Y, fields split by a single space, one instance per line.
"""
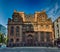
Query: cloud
x=54 y=11
x=56 y=7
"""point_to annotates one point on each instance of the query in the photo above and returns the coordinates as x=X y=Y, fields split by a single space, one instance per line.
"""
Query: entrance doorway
x=30 y=40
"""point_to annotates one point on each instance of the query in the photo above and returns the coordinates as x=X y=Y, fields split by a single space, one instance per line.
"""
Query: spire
x=15 y=10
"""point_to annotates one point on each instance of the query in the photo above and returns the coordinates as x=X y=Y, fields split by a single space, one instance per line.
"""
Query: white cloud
x=54 y=12
x=56 y=7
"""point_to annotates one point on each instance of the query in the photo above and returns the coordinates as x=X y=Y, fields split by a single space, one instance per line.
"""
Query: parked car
x=0 y=44
x=3 y=46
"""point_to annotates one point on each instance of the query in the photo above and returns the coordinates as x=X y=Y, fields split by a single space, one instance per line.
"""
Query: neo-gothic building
x=30 y=30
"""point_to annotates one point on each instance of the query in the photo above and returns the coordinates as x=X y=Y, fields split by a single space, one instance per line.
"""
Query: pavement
x=30 y=49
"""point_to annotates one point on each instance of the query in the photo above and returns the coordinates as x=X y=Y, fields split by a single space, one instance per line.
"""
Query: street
x=30 y=49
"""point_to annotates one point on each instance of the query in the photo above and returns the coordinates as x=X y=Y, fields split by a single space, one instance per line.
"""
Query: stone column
x=38 y=36
x=45 y=37
x=14 y=34
x=20 y=33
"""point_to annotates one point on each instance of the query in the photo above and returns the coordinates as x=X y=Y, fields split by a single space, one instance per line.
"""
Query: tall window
x=47 y=26
x=11 y=40
x=36 y=36
x=57 y=26
x=27 y=27
x=30 y=26
x=12 y=31
x=41 y=26
x=17 y=31
x=42 y=36
x=16 y=19
x=58 y=32
x=23 y=36
x=48 y=36
x=17 y=40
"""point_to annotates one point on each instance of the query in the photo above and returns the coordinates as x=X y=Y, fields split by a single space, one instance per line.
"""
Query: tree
x=5 y=40
x=1 y=38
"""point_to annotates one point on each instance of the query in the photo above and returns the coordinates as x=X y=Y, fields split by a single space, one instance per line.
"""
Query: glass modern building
x=3 y=29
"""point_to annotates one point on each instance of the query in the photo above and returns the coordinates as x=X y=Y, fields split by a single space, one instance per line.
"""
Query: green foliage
x=5 y=40
x=1 y=38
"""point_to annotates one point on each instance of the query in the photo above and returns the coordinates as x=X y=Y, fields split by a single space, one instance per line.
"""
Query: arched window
x=17 y=31
x=11 y=40
x=17 y=40
x=47 y=36
x=42 y=36
x=12 y=31
x=36 y=36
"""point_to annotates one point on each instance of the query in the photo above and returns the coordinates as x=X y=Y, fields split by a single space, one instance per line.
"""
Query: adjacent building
x=30 y=30
x=3 y=29
x=57 y=28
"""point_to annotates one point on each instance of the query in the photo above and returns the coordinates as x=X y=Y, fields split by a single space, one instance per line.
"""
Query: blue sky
x=52 y=8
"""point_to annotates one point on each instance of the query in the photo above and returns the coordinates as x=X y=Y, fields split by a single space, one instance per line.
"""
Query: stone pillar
x=9 y=31
x=35 y=17
x=20 y=33
x=14 y=34
x=45 y=37
x=38 y=36
x=8 y=35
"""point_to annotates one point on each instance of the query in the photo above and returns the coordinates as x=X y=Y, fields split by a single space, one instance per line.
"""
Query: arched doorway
x=30 y=40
